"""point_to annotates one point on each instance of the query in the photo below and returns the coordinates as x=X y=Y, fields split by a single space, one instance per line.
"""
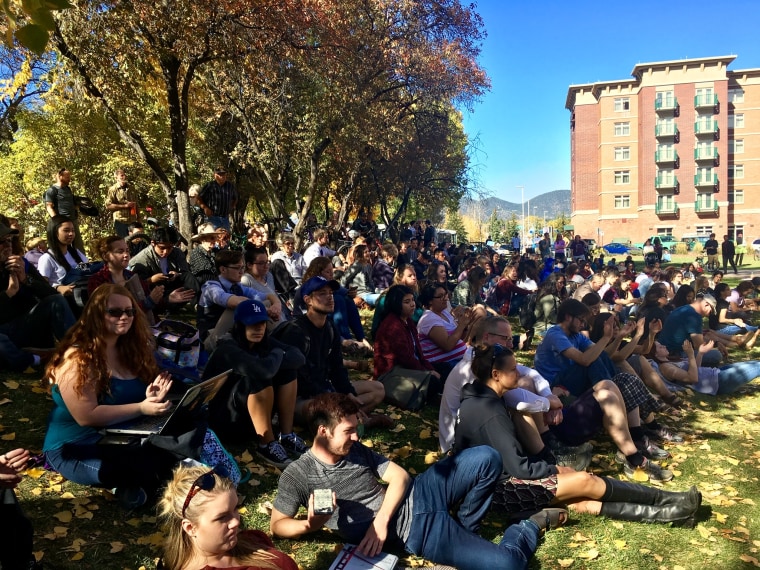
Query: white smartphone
x=323 y=501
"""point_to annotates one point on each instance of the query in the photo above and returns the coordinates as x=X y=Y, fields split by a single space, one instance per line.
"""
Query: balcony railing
x=701 y=180
x=666 y=105
x=669 y=130
x=701 y=207
x=665 y=182
x=706 y=153
x=701 y=101
x=706 y=127
x=666 y=209
x=666 y=156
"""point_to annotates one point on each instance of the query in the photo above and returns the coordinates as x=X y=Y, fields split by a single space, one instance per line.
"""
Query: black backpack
x=527 y=314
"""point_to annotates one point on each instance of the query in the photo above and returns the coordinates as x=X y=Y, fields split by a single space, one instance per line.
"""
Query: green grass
x=721 y=456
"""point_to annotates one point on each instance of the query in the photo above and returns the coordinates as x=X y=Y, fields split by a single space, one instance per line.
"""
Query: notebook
x=350 y=559
x=193 y=400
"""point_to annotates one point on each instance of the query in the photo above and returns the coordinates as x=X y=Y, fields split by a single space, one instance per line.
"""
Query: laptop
x=183 y=414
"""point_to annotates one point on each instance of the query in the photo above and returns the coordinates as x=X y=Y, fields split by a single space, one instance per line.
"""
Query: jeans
x=370 y=298
x=220 y=222
x=469 y=477
x=577 y=379
x=133 y=465
x=346 y=317
x=733 y=376
x=733 y=329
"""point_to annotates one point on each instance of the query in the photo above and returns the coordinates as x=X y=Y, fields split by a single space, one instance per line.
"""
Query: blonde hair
x=178 y=546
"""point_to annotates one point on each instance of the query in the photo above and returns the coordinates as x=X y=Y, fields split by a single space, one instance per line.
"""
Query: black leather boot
x=684 y=513
x=624 y=492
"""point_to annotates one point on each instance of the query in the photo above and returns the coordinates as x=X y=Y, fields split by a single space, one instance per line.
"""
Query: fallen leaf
x=116 y=547
x=619 y=526
x=77 y=556
x=35 y=472
x=620 y=544
x=11 y=385
x=5 y=401
x=63 y=516
x=425 y=434
x=750 y=559
x=265 y=508
x=565 y=562
x=9 y=436
x=720 y=517
x=431 y=457
x=399 y=428
x=589 y=554
x=403 y=452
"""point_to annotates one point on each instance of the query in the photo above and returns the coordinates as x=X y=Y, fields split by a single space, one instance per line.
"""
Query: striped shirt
x=219 y=198
x=430 y=350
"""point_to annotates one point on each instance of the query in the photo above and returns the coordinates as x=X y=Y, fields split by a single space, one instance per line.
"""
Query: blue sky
x=536 y=49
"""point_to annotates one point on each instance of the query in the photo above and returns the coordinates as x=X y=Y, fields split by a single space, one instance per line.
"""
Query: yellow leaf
x=589 y=554
x=565 y=562
x=246 y=457
x=644 y=551
x=431 y=457
x=399 y=428
x=116 y=547
x=63 y=516
x=135 y=522
x=5 y=401
x=155 y=539
x=35 y=472
x=750 y=559
x=254 y=482
x=721 y=518
x=425 y=434
x=620 y=544
x=368 y=443
x=619 y=526
x=403 y=452
x=77 y=556
x=703 y=532
x=11 y=385
x=265 y=508
x=9 y=436
x=640 y=475
x=677 y=567
x=657 y=557
x=67 y=494
x=85 y=515
x=38 y=554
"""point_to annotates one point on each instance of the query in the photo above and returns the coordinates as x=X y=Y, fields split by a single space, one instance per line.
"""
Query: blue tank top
x=63 y=428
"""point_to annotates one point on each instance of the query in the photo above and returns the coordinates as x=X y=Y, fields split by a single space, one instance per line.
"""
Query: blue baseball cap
x=250 y=313
x=317 y=283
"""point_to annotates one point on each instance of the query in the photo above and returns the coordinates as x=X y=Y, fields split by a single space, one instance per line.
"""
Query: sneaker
x=578 y=461
x=651 y=450
x=663 y=434
x=130 y=498
x=293 y=444
x=275 y=454
x=560 y=448
x=652 y=471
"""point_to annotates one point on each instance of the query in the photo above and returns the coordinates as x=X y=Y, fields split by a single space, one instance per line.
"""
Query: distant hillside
x=553 y=203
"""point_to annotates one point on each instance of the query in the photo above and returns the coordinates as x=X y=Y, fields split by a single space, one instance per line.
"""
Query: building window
x=736 y=171
x=622 y=177
x=705 y=199
x=622 y=104
x=736 y=196
x=666 y=151
x=736 y=146
x=736 y=96
x=704 y=230
x=736 y=121
x=666 y=231
x=665 y=99
x=623 y=201
x=735 y=230
x=622 y=129
x=622 y=153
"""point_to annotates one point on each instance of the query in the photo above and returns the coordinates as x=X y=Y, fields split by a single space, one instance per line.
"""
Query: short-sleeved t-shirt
x=679 y=326
x=549 y=360
x=354 y=479
x=431 y=351
x=63 y=199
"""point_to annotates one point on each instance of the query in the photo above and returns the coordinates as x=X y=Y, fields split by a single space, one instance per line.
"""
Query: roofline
x=636 y=72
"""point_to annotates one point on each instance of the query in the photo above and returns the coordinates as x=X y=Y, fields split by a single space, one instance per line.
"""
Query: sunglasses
x=205 y=482
x=117 y=313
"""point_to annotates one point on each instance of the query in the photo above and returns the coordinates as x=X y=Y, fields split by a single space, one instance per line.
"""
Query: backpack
x=527 y=314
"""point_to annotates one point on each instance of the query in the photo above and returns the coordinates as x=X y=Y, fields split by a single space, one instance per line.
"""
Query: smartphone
x=323 y=501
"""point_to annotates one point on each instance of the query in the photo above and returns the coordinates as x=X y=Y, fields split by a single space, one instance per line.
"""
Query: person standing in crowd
x=711 y=249
x=728 y=251
x=59 y=200
x=218 y=199
x=122 y=204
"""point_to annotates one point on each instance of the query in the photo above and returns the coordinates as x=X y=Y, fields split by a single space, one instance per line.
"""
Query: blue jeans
x=469 y=477
x=734 y=376
x=577 y=379
x=733 y=329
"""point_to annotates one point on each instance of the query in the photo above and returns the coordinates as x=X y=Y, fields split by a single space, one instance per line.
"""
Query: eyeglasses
x=440 y=296
x=267 y=262
x=236 y=267
x=205 y=482
x=117 y=313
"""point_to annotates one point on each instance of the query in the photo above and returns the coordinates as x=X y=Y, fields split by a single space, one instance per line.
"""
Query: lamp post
x=522 y=207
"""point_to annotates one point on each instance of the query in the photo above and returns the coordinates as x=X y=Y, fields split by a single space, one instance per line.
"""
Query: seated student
x=703 y=379
x=294 y=261
x=529 y=483
x=384 y=267
x=115 y=254
x=739 y=333
x=686 y=323
x=35 y=248
x=164 y=264
x=202 y=257
x=16 y=532
x=61 y=256
x=137 y=240
x=739 y=304
x=32 y=314
x=263 y=380
x=548 y=298
x=257 y=276
x=200 y=520
x=508 y=297
x=684 y=296
x=358 y=276
x=219 y=297
x=314 y=335
x=412 y=512
x=405 y=275
x=99 y=377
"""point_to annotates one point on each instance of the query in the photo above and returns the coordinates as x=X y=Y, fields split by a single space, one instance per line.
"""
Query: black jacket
x=484 y=420
x=30 y=293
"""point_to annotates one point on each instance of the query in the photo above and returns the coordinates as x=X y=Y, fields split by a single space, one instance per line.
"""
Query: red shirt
x=397 y=344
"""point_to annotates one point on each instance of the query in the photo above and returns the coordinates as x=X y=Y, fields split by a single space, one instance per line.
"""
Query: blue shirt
x=549 y=360
x=679 y=326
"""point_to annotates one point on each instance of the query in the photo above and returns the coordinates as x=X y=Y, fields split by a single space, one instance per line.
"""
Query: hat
x=220 y=170
x=34 y=242
x=5 y=230
x=711 y=301
x=317 y=283
x=86 y=206
x=250 y=313
x=204 y=230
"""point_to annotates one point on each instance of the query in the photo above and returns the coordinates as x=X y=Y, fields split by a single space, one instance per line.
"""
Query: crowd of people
x=615 y=346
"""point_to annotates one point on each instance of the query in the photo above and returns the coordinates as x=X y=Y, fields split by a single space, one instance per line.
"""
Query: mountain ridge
x=553 y=203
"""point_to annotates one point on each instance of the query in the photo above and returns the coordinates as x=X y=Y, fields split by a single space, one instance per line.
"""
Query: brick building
x=674 y=150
